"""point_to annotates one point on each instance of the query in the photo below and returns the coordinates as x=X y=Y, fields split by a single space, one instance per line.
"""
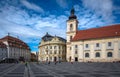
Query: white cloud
x=62 y=3
x=94 y=13
x=32 y=6
x=19 y=23
x=100 y=7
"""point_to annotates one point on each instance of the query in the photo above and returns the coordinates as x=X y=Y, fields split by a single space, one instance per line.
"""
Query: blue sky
x=31 y=19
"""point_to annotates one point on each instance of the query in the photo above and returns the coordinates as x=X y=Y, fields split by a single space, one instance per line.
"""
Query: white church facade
x=92 y=45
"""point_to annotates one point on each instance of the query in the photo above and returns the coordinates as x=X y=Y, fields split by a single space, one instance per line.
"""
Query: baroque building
x=11 y=47
x=96 y=45
x=52 y=48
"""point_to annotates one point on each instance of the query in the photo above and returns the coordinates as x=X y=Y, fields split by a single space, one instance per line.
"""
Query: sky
x=29 y=20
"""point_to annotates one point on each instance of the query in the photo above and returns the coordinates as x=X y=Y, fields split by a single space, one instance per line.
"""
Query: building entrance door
x=76 y=58
x=55 y=59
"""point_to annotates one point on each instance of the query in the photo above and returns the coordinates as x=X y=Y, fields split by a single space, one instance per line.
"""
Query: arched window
x=86 y=54
x=109 y=54
x=71 y=27
x=97 y=54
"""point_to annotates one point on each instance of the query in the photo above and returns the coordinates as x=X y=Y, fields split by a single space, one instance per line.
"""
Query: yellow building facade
x=52 y=48
x=92 y=45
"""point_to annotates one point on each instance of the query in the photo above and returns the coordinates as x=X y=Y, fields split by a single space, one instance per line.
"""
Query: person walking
x=26 y=64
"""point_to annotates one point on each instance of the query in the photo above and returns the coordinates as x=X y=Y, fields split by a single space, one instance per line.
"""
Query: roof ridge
x=100 y=27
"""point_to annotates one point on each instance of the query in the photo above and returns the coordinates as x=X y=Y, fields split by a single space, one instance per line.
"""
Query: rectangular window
x=109 y=44
x=97 y=44
x=50 y=47
x=70 y=38
x=76 y=52
x=55 y=52
x=59 y=47
x=76 y=46
x=86 y=46
x=54 y=47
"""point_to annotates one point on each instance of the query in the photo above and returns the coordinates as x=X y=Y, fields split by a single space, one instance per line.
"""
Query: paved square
x=63 y=69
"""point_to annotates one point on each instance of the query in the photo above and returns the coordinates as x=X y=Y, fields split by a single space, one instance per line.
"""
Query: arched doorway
x=55 y=59
x=76 y=58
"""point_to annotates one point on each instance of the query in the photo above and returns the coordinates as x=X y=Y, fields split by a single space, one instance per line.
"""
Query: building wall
x=3 y=53
x=103 y=49
x=51 y=49
x=15 y=52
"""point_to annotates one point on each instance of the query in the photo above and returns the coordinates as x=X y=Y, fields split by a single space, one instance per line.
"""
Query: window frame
x=86 y=46
x=109 y=44
x=97 y=44
x=87 y=55
x=97 y=54
x=109 y=54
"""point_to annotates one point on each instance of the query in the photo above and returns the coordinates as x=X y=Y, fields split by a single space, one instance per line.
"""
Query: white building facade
x=52 y=48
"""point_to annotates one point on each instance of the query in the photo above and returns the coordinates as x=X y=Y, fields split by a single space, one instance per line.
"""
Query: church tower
x=72 y=25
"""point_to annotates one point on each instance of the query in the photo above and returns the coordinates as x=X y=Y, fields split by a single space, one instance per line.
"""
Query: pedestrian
x=55 y=62
x=26 y=64
x=48 y=62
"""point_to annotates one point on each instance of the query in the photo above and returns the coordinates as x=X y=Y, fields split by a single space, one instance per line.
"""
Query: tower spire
x=72 y=14
x=72 y=11
x=8 y=34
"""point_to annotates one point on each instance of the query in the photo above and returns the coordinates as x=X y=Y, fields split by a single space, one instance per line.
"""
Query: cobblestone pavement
x=76 y=70
x=12 y=70
x=61 y=70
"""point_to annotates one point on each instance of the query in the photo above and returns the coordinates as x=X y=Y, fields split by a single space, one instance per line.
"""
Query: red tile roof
x=15 y=42
x=94 y=33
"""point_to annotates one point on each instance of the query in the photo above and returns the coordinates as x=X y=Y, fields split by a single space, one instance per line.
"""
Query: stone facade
x=52 y=48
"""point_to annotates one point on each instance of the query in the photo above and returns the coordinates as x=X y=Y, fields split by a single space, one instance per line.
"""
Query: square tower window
x=71 y=27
